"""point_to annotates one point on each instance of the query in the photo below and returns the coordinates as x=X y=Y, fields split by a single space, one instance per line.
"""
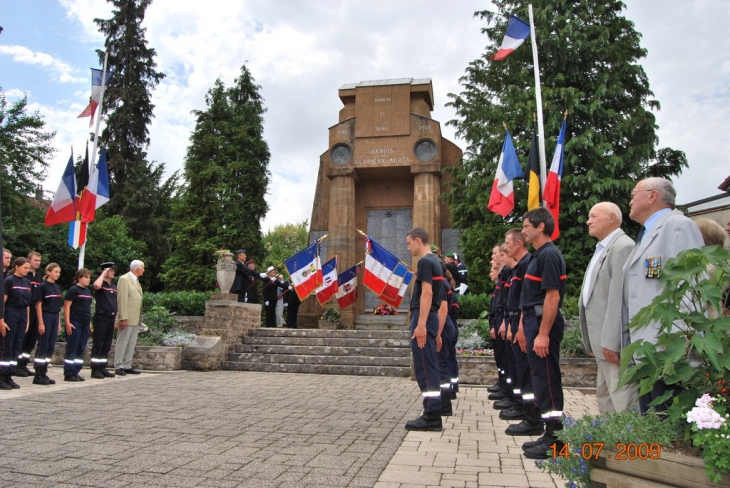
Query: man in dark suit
x=598 y=305
x=239 y=283
x=665 y=233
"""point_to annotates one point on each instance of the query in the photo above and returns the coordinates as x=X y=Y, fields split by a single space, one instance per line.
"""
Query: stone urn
x=226 y=272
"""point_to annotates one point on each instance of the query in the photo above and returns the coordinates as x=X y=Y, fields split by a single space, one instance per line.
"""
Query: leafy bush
x=184 y=303
x=570 y=306
x=572 y=343
x=331 y=315
x=471 y=336
x=471 y=306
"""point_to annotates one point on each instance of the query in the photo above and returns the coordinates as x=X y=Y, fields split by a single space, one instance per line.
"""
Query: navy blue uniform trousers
x=426 y=363
x=545 y=372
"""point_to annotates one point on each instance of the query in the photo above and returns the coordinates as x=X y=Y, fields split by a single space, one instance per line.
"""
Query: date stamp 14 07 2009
x=591 y=450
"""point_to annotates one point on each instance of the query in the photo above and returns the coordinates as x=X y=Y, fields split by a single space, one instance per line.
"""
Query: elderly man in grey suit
x=129 y=316
x=665 y=233
x=600 y=305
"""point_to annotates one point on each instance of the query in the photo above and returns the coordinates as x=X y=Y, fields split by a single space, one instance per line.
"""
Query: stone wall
x=147 y=358
x=481 y=370
x=229 y=320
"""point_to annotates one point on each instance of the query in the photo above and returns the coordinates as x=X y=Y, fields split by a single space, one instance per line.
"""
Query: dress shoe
x=40 y=380
x=12 y=383
x=543 y=450
x=132 y=371
x=73 y=378
x=515 y=413
x=424 y=423
x=498 y=395
x=107 y=373
x=495 y=388
x=121 y=372
x=81 y=378
x=97 y=375
x=503 y=404
x=526 y=427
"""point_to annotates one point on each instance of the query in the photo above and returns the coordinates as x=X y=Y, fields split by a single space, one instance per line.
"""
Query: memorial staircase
x=379 y=346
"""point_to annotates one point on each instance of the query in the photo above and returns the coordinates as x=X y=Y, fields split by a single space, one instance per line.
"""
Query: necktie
x=640 y=235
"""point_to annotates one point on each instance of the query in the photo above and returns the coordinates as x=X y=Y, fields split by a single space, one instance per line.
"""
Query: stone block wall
x=229 y=320
x=481 y=370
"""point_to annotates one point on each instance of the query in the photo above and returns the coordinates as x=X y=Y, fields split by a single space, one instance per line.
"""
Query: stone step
x=257 y=357
x=318 y=369
x=386 y=321
x=326 y=341
x=354 y=334
x=324 y=350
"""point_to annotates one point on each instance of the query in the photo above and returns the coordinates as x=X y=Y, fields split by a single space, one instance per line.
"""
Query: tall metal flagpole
x=82 y=250
x=538 y=96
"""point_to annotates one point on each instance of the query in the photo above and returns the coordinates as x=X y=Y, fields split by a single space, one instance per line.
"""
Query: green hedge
x=178 y=302
x=471 y=306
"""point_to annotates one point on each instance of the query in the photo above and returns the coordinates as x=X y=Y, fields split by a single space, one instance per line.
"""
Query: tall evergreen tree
x=589 y=65
x=225 y=180
x=135 y=185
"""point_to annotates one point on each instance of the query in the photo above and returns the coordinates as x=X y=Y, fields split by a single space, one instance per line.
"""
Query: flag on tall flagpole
x=533 y=173
x=347 y=290
x=96 y=192
x=329 y=278
x=502 y=198
x=76 y=233
x=305 y=270
x=97 y=91
x=396 y=298
x=517 y=31
x=63 y=206
x=554 y=177
x=379 y=265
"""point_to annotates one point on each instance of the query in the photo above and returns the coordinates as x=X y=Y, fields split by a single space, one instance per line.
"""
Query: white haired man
x=129 y=317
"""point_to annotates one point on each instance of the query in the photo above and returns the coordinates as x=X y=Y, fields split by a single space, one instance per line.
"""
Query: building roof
x=725 y=185
x=393 y=81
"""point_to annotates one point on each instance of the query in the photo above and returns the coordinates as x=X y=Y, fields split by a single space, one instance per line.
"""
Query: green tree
x=225 y=178
x=589 y=65
x=136 y=187
x=285 y=240
x=25 y=148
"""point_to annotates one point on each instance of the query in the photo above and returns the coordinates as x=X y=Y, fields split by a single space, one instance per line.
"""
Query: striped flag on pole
x=329 y=278
x=379 y=265
x=554 y=178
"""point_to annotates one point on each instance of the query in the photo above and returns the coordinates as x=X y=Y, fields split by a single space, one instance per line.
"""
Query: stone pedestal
x=203 y=354
x=231 y=321
x=225 y=273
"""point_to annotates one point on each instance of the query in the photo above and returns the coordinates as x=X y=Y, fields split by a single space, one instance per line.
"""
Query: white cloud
x=22 y=54
x=15 y=94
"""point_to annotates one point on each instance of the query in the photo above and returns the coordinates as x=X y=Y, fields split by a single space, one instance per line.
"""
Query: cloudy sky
x=301 y=52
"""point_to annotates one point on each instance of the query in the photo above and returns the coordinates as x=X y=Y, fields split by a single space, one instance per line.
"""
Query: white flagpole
x=538 y=96
x=82 y=250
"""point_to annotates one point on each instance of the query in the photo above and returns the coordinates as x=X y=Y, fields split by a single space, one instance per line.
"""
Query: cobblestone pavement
x=226 y=429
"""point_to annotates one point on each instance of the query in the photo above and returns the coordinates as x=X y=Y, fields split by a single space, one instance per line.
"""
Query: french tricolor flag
x=63 y=207
x=502 y=198
x=77 y=234
x=305 y=270
x=379 y=265
x=397 y=285
x=347 y=290
x=329 y=278
x=517 y=31
x=96 y=192
x=97 y=91
x=551 y=195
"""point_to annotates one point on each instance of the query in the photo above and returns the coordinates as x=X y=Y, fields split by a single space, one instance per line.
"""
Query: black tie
x=640 y=235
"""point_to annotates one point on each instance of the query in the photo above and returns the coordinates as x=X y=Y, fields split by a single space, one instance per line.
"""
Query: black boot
x=21 y=370
x=517 y=412
x=495 y=387
x=4 y=385
x=530 y=425
x=51 y=381
x=39 y=378
x=446 y=407
x=504 y=404
x=13 y=384
x=542 y=450
x=97 y=374
x=497 y=395
x=107 y=373
x=426 y=422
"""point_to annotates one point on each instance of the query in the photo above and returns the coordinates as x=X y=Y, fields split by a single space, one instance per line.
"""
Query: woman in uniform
x=77 y=312
x=17 y=302
x=48 y=309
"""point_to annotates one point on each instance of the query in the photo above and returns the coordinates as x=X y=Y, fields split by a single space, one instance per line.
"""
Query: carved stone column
x=426 y=203
x=342 y=225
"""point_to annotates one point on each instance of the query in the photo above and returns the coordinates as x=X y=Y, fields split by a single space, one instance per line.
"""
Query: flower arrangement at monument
x=384 y=309
x=222 y=253
x=330 y=315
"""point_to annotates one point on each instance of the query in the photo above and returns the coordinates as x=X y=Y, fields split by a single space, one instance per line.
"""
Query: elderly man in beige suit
x=600 y=306
x=129 y=316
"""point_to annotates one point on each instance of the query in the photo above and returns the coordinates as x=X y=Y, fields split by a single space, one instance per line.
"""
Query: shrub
x=331 y=315
x=471 y=306
x=178 y=302
x=572 y=344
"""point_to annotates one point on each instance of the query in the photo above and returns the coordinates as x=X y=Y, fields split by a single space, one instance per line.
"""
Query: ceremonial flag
x=379 y=265
x=533 y=173
x=392 y=287
x=502 y=198
x=63 y=206
x=552 y=185
x=96 y=192
x=329 y=278
x=76 y=234
x=347 y=290
x=517 y=31
x=305 y=270
x=405 y=280
x=97 y=90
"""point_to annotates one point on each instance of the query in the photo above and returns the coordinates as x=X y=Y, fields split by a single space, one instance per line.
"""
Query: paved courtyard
x=227 y=429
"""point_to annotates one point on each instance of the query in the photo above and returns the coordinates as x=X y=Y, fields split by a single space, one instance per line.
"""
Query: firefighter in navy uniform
x=17 y=298
x=31 y=336
x=48 y=307
x=105 y=316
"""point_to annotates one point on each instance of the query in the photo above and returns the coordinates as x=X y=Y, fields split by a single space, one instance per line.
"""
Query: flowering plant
x=221 y=253
x=384 y=309
x=711 y=433
x=475 y=352
x=331 y=315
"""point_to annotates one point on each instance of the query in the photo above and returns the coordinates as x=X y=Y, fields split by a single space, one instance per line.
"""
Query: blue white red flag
x=379 y=265
x=517 y=31
x=96 y=192
x=347 y=290
x=551 y=195
x=305 y=270
x=63 y=206
x=329 y=278
x=77 y=234
x=397 y=285
x=97 y=91
x=502 y=198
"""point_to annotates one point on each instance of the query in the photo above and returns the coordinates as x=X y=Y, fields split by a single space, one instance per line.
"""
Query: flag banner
x=502 y=198
x=554 y=177
x=305 y=270
x=379 y=265
x=96 y=192
x=329 y=278
x=517 y=31
x=392 y=287
x=405 y=281
x=76 y=234
x=97 y=88
x=63 y=206
x=347 y=290
x=533 y=173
